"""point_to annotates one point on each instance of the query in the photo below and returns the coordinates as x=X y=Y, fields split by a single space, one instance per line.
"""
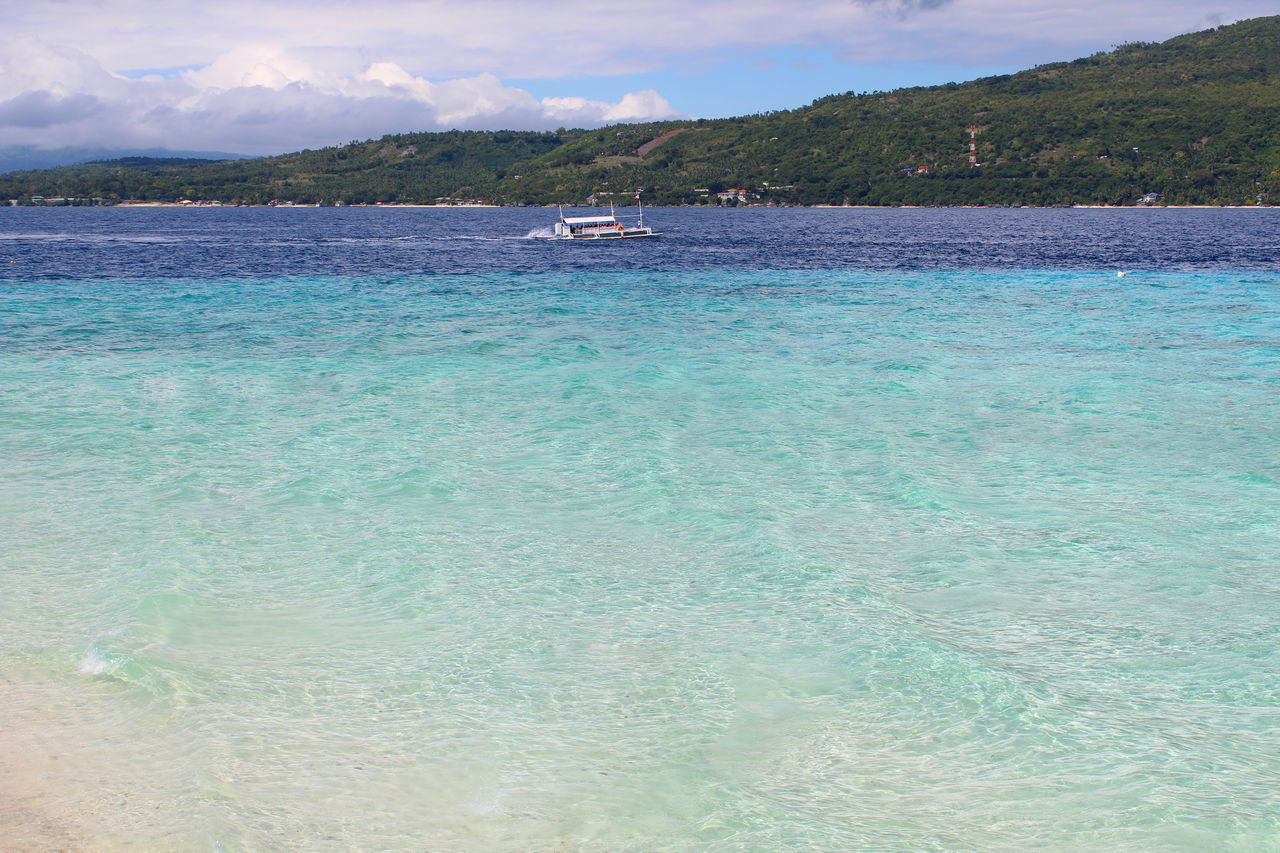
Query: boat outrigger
x=601 y=227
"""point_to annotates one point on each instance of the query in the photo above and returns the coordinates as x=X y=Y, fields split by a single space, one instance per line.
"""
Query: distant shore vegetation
x=1191 y=121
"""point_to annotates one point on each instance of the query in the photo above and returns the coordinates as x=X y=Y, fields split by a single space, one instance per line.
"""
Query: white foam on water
x=97 y=662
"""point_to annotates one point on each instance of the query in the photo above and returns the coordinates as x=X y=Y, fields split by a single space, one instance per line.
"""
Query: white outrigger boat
x=601 y=227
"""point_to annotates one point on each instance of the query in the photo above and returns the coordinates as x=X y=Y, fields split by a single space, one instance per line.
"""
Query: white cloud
x=637 y=106
x=261 y=77
x=254 y=64
x=259 y=98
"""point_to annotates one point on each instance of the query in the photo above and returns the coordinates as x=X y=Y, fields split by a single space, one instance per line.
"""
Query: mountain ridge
x=15 y=158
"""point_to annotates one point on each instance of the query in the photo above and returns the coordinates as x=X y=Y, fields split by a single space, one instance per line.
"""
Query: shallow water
x=350 y=529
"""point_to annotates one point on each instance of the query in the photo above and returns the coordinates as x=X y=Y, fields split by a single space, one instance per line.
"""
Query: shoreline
x=280 y=206
x=38 y=808
x=389 y=206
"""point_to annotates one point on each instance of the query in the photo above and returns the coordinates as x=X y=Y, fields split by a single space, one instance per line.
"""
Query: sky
x=271 y=76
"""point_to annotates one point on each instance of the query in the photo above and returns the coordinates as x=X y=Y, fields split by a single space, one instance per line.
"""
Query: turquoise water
x=680 y=560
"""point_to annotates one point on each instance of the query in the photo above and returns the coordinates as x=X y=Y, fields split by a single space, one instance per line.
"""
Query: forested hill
x=1195 y=119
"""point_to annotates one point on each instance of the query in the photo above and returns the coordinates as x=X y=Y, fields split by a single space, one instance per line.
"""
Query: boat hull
x=616 y=235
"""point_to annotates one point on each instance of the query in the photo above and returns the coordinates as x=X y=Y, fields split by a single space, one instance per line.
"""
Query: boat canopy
x=590 y=220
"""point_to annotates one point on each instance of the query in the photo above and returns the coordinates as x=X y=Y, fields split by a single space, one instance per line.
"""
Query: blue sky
x=779 y=79
x=268 y=76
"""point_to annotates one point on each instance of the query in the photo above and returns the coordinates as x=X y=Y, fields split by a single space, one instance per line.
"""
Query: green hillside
x=1195 y=119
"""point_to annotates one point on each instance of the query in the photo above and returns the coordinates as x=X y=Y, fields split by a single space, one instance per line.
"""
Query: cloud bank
x=254 y=77
x=260 y=99
x=519 y=39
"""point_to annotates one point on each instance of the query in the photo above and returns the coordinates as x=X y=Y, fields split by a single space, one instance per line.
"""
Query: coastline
x=283 y=206
x=174 y=204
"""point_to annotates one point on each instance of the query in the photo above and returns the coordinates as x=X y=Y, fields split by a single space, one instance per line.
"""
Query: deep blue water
x=169 y=242
x=790 y=530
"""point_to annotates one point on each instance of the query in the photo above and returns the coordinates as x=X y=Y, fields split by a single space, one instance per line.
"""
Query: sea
x=331 y=529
